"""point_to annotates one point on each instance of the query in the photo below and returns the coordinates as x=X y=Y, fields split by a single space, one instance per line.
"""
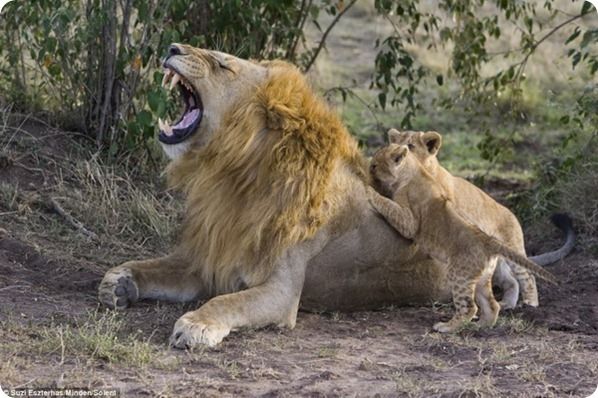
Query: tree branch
x=325 y=35
x=53 y=204
x=523 y=62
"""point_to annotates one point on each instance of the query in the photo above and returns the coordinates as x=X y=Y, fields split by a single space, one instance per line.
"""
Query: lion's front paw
x=190 y=331
x=118 y=289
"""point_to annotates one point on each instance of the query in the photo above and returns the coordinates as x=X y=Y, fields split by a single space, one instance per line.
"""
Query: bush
x=96 y=63
x=568 y=182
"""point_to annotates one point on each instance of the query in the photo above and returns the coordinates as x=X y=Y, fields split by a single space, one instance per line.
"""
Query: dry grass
x=95 y=337
x=114 y=203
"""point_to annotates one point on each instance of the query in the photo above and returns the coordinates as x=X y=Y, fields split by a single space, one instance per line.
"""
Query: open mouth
x=189 y=121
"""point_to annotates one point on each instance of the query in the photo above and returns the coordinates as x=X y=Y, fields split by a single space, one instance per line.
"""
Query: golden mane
x=264 y=181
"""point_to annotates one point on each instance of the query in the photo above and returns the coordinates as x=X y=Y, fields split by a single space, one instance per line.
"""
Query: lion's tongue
x=187 y=120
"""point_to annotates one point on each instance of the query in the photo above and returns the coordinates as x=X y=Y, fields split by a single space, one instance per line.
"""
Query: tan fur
x=277 y=211
x=263 y=183
x=480 y=209
x=422 y=209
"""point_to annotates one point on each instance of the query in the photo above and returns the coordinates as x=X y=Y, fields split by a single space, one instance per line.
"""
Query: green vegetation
x=511 y=85
x=96 y=63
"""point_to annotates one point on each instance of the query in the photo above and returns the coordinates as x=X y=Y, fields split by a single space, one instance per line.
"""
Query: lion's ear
x=432 y=140
x=397 y=137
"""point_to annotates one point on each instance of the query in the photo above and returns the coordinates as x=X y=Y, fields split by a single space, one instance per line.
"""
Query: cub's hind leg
x=489 y=307
x=169 y=278
x=463 y=289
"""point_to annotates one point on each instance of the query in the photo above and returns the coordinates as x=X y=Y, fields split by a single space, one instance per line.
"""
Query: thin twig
x=325 y=35
x=521 y=65
x=358 y=98
x=62 y=348
x=71 y=220
x=13 y=287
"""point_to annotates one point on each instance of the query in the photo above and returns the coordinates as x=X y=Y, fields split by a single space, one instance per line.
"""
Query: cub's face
x=423 y=144
x=391 y=168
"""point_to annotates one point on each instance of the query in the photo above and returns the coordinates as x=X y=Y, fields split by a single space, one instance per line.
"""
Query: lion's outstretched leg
x=167 y=278
x=504 y=278
x=275 y=302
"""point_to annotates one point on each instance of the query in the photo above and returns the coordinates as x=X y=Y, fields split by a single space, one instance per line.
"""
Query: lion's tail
x=565 y=224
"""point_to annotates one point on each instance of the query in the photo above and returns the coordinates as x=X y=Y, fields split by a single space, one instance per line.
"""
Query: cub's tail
x=497 y=247
x=565 y=224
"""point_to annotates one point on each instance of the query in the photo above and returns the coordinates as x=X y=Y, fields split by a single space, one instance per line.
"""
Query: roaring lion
x=277 y=209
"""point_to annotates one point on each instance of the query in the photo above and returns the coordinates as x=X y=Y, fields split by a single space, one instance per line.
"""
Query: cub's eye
x=397 y=158
x=373 y=167
x=410 y=146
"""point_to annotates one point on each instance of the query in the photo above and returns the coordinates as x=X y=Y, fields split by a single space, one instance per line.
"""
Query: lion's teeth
x=174 y=81
x=164 y=127
x=166 y=78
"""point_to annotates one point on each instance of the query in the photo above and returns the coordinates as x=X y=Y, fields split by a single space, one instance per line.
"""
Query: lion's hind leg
x=529 y=290
x=504 y=278
x=167 y=278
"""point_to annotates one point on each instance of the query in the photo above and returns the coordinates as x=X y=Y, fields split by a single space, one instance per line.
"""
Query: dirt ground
x=54 y=334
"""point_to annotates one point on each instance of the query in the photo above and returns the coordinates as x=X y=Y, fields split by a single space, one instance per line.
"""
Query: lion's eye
x=397 y=158
x=222 y=65
x=410 y=146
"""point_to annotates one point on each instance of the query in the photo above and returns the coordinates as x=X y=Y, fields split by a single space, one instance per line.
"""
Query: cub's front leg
x=169 y=278
x=400 y=218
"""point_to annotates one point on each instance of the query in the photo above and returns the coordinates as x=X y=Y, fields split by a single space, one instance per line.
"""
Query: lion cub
x=421 y=209
x=479 y=208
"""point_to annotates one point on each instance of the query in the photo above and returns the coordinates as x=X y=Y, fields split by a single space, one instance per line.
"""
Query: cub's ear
x=432 y=140
x=399 y=153
x=397 y=137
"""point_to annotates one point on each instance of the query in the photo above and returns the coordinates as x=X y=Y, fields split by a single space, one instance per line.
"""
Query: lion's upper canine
x=262 y=183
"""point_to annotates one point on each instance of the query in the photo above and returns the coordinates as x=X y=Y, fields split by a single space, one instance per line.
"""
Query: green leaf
x=144 y=118
x=573 y=35
x=586 y=7
x=576 y=59
x=382 y=100
x=154 y=99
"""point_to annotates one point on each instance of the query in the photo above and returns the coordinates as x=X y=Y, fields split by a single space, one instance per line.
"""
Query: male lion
x=276 y=208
